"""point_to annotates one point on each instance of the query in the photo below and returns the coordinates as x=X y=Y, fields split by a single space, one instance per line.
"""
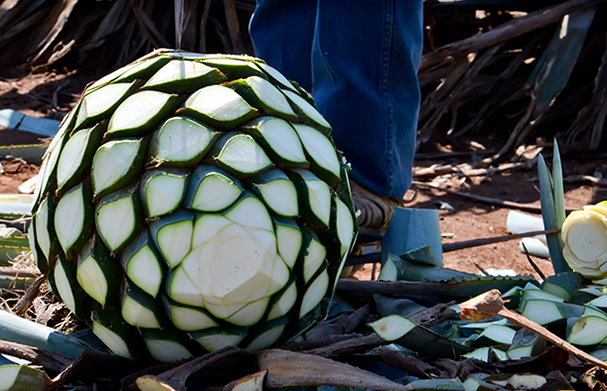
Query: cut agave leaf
x=48 y=168
x=321 y=152
x=68 y=288
x=140 y=309
x=289 y=239
x=45 y=229
x=250 y=212
x=100 y=103
x=20 y=377
x=234 y=68
x=181 y=141
x=118 y=218
x=268 y=334
x=405 y=332
x=188 y=318
x=115 y=333
x=587 y=330
x=219 y=106
x=140 y=113
x=542 y=312
x=162 y=190
x=277 y=192
x=117 y=163
x=239 y=154
x=39 y=258
x=312 y=258
x=166 y=346
x=487 y=354
x=276 y=76
x=211 y=189
x=218 y=338
x=97 y=273
x=526 y=343
x=172 y=235
x=493 y=334
x=72 y=216
x=315 y=292
x=341 y=236
x=250 y=314
x=314 y=198
x=77 y=155
x=142 y=69
x=279 y=139
x=536 y=294
x=180 y=76
x=262 y=95
x=600 y=302
x=283 y=301
x=142 y=264
x=308 y=113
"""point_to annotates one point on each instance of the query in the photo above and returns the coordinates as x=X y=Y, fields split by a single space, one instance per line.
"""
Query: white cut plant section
x=113 y=341
x=91 y=278
x=42 y=224
x=116 y=222
x=584 y=234
x=144 y=270
x=164 y=193
x=234 y=267
x=167 y=351
x=69 y=217
x=181 y=139
x=270 y=95
x=62 y=283
x=112 y=162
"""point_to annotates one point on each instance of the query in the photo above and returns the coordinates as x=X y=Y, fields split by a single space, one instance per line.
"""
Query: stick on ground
x=491 y=303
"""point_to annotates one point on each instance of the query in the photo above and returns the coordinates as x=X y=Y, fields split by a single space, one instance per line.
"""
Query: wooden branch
x=44 y=36
x=586 y=178
x=393 y=287
x=25 y=302
x=233 y=26
x=506 y=32
x=490 y=304
x=148 y=27
x=19 y=273
x=52 y=361
x=466 y=170
x=447 y=247
x=487 y=200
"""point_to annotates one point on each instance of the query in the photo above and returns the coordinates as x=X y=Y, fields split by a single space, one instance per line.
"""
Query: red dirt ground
x=50 y=95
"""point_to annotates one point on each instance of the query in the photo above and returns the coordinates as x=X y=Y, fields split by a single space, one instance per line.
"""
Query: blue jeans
x=359 y=59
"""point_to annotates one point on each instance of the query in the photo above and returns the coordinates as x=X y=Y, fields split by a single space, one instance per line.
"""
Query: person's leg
x=365 y=57
x=282 y=32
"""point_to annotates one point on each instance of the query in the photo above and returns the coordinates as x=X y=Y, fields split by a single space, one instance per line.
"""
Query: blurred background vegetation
x=514 y=71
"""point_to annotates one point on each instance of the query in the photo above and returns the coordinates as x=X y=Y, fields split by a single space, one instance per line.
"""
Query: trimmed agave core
x=191 y=202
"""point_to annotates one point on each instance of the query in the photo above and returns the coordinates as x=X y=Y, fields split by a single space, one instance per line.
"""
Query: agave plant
x=193 y=197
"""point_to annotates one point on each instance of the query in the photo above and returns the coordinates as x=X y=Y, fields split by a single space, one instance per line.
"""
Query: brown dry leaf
x=286 y=369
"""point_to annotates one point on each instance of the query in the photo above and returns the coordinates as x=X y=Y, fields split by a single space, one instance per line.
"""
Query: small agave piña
x=191 y=202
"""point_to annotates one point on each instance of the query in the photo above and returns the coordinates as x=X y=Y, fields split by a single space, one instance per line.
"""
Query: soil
x=51 y=95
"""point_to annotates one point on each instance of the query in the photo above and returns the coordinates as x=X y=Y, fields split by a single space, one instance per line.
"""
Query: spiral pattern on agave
x=191 y=202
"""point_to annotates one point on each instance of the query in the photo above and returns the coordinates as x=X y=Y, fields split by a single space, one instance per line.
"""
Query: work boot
x=375 y=211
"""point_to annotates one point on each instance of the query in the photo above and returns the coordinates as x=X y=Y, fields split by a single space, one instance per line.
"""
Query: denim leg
x=364 y=60
x=282 y=32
